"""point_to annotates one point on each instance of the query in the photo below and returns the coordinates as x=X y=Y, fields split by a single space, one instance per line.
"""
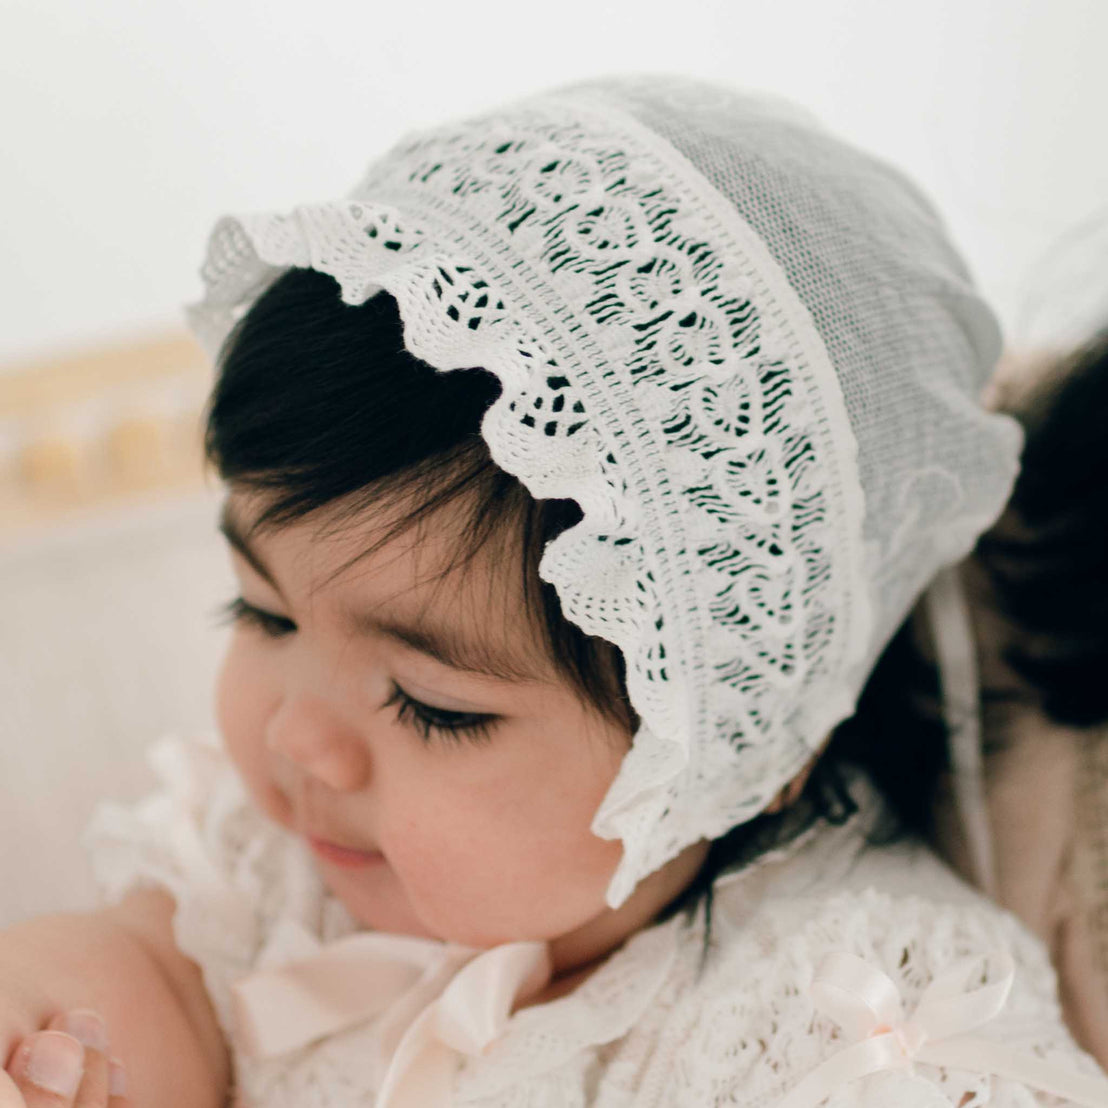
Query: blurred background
x=131 y=125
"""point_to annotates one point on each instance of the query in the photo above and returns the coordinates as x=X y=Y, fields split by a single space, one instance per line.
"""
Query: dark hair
x=318 y=403
x=1046 y=560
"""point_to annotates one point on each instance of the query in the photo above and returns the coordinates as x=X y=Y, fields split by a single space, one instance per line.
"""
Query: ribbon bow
x=866 y=1004
x=435 y=1001
x=470 y=1014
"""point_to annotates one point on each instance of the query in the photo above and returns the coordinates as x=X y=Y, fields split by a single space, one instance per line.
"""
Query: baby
x=581 y=463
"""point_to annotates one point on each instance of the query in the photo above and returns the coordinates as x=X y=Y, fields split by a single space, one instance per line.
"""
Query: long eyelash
x=452 y=726
x=445 y=724
x=239 y=611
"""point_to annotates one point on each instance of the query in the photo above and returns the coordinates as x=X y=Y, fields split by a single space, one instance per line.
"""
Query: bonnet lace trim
x=657 y=368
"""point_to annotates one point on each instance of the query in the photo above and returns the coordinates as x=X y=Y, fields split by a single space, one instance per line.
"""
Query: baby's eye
x=453 y=726
x=243 y=613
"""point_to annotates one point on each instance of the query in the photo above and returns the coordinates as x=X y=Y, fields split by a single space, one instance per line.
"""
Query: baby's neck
x=578 y=954
x=563 y=986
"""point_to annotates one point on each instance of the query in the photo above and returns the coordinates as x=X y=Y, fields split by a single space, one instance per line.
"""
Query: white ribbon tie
x=436 y=1002
x=867 y=1005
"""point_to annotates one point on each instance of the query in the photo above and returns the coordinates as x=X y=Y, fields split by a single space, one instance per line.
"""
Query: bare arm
x=123 y=962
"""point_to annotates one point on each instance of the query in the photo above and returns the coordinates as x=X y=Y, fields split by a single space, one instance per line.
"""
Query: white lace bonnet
x=746 y=350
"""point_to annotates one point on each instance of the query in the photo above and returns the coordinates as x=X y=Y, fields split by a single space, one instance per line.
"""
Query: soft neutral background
x=129 y=126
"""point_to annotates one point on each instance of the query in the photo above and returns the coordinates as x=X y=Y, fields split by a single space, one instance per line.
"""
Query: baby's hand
x=67 y=1065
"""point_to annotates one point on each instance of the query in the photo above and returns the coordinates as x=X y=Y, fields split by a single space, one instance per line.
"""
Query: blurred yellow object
x=52 y=467
x=99 y=427
x=137 y=451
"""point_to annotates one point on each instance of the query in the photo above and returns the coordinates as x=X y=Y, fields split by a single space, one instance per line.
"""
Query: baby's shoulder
x=751 y=1020
x=910 y=936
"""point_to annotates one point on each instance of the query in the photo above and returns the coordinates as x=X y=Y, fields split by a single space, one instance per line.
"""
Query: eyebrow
x=442 y=644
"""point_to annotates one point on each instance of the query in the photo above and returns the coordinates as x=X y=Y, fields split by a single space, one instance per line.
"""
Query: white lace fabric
x=731 y=389
x=652 y=1026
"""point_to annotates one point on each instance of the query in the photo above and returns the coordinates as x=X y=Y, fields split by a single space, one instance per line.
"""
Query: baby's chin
x=379 y=903
x=376 y=899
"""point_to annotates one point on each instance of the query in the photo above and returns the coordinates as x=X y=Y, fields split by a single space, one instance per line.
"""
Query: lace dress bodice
x=670 y=1019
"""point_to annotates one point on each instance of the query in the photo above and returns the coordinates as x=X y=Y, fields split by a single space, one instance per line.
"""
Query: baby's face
x=471 y=792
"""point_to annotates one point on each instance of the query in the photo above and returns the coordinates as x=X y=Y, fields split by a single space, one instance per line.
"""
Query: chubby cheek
x=484 y=866
x=244 y=701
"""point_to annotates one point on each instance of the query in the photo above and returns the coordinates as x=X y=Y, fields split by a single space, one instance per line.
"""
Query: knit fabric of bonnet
x=745 y=349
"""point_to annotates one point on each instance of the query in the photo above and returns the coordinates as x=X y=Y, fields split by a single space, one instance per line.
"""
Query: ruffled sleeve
x=231 y=871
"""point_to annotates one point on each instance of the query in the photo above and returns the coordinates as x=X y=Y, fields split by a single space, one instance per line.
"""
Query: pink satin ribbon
x=866 y=1004
x=436 y=1002
x=469 y=1015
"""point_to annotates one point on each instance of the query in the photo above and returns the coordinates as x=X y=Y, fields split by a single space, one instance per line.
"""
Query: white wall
x=129 y=125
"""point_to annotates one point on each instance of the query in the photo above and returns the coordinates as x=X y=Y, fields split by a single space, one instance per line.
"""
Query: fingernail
x=56 y=1062
x=87 y=1027
x=118 y=1080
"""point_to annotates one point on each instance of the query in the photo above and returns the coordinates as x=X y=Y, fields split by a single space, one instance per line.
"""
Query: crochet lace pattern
x=684 y=401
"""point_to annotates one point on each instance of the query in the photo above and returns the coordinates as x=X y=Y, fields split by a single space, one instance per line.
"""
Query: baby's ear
x=790 y=794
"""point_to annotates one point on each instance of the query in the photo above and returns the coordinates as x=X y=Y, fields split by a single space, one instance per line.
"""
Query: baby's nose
x=308 y=734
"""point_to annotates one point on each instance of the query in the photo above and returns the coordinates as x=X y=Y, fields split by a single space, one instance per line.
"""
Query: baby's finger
x=47 y=1069
x=89 y=1028
x=10 y=1096
x=117 y=1084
